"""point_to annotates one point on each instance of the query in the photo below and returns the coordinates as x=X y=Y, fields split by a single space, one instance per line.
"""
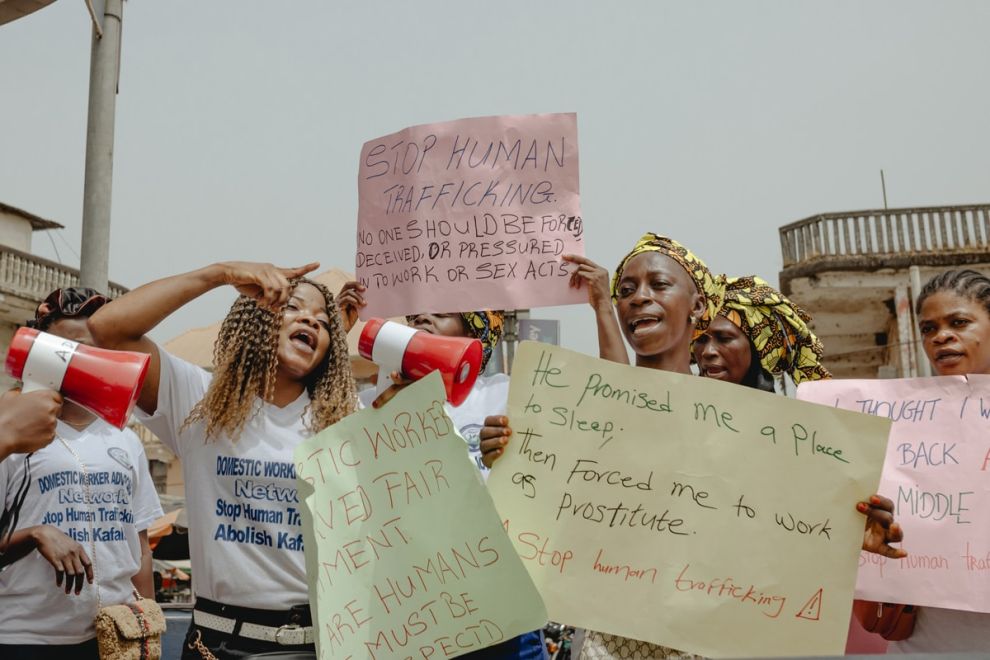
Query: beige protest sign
x=405 y=553
x=684 y=511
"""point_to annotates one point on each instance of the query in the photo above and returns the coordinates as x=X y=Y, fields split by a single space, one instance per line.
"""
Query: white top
x=937 y=630
x=32 y=609
x=245 y=533
x=489 y=396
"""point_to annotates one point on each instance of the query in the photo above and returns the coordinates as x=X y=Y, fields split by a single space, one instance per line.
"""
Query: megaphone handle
x=384 y=380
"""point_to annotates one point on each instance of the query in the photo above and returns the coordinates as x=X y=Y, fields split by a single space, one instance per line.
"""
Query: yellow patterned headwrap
x=777 y=327
x=709 y=286
x=486 y=326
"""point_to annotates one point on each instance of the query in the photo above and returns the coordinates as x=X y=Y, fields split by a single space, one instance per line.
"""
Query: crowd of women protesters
x=282 y=373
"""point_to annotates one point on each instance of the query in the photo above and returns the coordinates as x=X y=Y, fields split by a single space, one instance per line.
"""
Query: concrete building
x=858 y=274
x=25 y=279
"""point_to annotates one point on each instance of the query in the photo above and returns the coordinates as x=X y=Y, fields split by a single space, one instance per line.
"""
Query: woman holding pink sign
x=954 y=318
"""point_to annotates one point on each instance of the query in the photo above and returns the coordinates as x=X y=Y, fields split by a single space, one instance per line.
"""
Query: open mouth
x=303 y=339
x=643 y=324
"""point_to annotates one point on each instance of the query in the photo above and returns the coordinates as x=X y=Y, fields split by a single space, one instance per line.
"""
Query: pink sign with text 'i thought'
x=937 y=472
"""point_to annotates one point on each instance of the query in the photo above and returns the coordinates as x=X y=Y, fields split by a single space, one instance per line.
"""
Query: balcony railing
x=873 y=236
x=32 y=277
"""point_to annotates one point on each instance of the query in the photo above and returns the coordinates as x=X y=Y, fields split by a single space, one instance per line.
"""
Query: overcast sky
x=239 y=124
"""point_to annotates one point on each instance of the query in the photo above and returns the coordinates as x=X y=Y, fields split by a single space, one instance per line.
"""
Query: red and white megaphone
x=414 y=353
x=107 y=383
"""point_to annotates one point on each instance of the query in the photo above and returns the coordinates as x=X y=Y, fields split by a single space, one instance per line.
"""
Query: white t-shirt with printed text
x=245 y=529
x=32 y=609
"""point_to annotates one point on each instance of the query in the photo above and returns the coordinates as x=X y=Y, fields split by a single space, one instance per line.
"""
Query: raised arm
x=124 y=323
x=610 y=343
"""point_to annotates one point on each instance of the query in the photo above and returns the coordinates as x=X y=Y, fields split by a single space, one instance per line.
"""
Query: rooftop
x=885 y=238
x=851 y=272
x=37 y=223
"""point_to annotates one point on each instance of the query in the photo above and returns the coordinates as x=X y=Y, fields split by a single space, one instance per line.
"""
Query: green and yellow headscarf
x=486 y=327
x=710 y=287
x=777 y=327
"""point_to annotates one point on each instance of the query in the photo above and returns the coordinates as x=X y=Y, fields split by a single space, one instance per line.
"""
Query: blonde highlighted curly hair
x=245 y=361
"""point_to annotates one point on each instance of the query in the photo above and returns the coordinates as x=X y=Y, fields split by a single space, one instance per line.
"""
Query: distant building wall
x=15 y=232
x=858 y=274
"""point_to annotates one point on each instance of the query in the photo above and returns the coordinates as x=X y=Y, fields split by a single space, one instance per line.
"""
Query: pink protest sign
x=470 y=214
x=937 y=472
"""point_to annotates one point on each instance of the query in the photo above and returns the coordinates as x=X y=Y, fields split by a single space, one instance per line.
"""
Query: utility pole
x=104 y=73
x=883 y=186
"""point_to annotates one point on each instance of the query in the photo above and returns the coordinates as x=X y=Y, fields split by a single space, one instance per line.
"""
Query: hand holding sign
x=350 y=300
x=881 y=530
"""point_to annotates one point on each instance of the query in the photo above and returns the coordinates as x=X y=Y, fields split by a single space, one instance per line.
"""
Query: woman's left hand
x=881 y=530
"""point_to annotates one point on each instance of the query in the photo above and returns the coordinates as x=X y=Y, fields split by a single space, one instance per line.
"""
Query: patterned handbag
x=603 y=646
x=132 y=631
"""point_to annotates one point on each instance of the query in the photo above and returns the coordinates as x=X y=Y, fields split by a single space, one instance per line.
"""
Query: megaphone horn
x=107 y=383
x=396 y=347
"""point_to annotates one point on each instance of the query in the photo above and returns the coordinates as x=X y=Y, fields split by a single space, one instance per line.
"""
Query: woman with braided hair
x=281 y=373
x=757 y=334
x=953 y=312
